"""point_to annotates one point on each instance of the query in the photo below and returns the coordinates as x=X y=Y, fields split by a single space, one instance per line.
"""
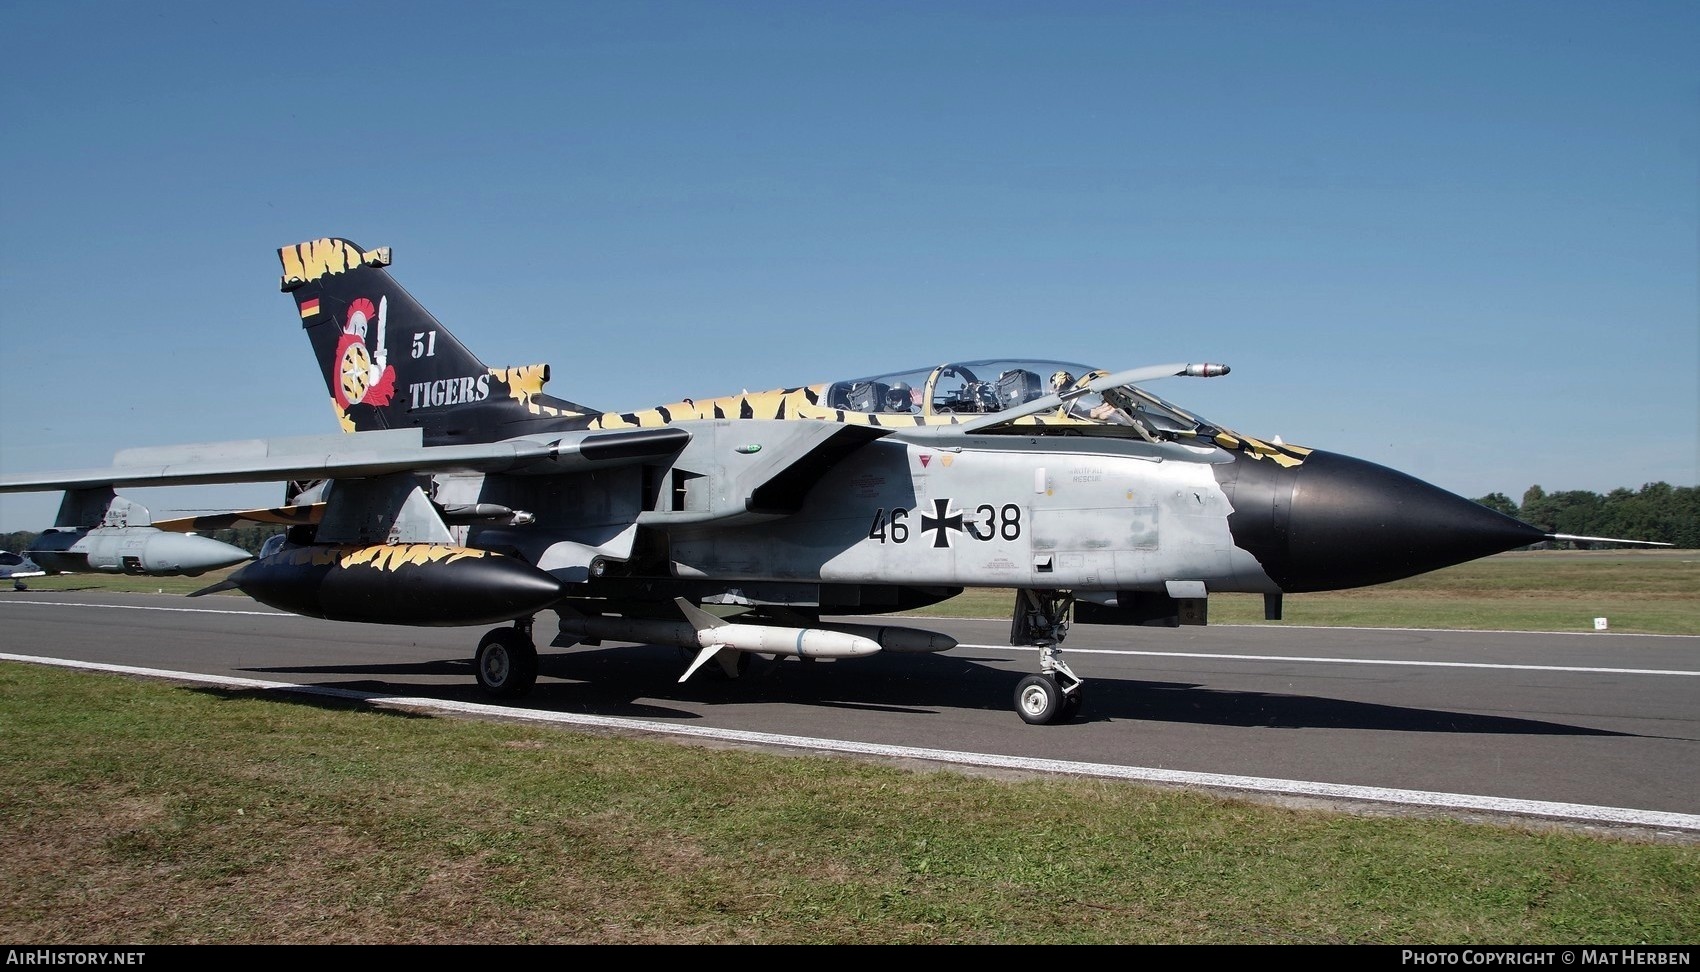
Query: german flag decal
x=309 y=307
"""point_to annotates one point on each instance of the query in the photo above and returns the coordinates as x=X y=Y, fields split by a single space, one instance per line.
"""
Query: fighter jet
x=98 y=531
x=461 y=494
x=16 y=567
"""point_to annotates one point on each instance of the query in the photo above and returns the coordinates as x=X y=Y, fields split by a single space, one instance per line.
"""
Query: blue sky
x=1459 y=239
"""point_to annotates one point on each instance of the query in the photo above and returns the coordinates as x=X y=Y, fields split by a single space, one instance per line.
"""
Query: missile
x=396 y=583
x=485 y=513
x=902 y=641
x=133 y=550
x=889 y=638
x=720 y=639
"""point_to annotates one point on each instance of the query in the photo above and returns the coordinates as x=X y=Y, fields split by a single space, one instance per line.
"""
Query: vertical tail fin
x=388 y=363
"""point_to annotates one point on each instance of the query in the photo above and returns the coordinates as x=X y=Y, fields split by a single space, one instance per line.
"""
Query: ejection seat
x=1017 y=387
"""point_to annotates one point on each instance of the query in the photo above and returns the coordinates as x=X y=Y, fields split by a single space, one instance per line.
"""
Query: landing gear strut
x=506 y=662
x=1041 y=620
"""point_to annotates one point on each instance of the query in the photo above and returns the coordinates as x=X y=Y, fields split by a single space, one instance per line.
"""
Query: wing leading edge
x=357 y=455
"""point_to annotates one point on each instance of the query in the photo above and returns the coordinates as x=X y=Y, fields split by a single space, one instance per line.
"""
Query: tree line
x=1658 y=511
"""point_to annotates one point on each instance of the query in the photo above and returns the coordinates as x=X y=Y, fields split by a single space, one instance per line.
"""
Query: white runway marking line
x=1283 y=626
x=146 y=607
x=1454 y=801
x=1348 y=661
x=1590 y=633
x=1075 y=651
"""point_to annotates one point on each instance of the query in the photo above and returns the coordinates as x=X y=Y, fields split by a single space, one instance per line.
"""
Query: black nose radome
x=1335 y=522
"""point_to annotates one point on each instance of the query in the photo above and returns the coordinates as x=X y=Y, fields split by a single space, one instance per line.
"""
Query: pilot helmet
x=897 y=396
x=1061 y=380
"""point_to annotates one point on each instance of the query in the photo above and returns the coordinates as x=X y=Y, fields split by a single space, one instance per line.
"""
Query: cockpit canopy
x=971 y=388
x=966 y=387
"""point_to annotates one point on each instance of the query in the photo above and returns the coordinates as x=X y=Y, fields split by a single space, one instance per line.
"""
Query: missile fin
x=729 y=662
x=698 y=618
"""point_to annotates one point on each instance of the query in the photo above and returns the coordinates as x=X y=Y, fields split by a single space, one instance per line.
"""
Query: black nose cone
x=1335 y=522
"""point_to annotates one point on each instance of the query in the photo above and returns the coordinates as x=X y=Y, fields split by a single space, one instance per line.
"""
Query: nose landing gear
x=1041 y=620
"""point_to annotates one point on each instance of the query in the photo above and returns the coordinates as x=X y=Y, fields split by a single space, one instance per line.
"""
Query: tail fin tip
x=306 y=262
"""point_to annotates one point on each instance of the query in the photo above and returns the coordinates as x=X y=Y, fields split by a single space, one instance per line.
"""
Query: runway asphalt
x=1591 y=729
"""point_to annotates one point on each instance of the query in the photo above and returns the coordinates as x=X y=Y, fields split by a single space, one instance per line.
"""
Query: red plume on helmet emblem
x=364 y=375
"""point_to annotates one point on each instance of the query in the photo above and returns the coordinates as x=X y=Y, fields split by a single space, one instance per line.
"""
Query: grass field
x=138 y=813
x=1645 y=591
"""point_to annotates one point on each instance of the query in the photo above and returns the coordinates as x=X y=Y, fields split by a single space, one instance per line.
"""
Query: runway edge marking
x=1656 y=819
x=1219 y=656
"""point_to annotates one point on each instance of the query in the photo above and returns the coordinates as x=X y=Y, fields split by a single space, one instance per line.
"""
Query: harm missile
x=132 y=550
x=780 y=639
x=898 y=640
x=717 y=637
x=396 y=583
x=902 y=641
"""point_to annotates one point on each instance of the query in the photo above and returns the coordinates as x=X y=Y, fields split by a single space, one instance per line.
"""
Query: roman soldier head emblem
x=363 y=371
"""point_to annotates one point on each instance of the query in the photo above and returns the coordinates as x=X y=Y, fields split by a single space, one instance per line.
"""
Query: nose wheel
x=1041 y=700
x=1041 y=620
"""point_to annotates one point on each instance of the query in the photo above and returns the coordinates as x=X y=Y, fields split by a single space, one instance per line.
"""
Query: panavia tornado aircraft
x=16 y=567
x=460 y=494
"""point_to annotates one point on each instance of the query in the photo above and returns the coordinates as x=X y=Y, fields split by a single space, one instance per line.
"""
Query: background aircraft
x=462 y=494
x=16 y=567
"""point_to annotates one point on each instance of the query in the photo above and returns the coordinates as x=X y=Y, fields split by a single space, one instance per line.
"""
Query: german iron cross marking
x=940 y=523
